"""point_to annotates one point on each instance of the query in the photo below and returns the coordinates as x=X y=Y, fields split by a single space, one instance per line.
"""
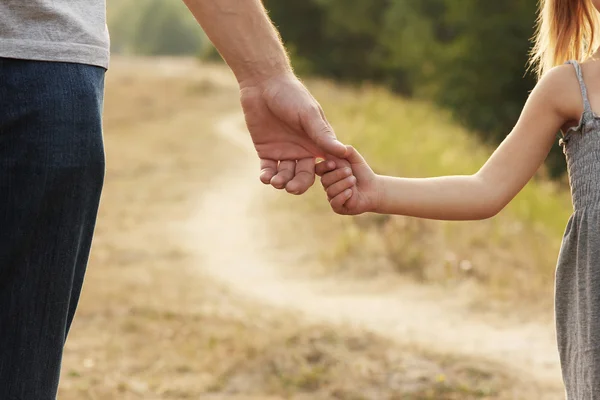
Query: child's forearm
x=444 y=198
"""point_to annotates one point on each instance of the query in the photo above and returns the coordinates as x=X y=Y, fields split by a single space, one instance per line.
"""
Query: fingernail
x=348 y=171
x=348 y=193
x=331 y=164
x=353 y=179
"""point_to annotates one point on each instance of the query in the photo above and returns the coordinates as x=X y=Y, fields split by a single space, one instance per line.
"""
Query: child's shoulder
x=561 y=79
x=561 y=86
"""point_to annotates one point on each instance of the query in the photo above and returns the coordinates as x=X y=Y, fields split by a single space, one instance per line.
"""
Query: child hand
x=351 y=185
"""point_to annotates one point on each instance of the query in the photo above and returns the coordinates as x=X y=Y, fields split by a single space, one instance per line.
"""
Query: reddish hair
x=566 y=30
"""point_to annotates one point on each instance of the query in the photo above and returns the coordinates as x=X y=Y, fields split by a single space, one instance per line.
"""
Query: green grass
x=511 y=255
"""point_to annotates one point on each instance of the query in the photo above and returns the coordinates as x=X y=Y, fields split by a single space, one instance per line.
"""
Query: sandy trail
x=231 y=239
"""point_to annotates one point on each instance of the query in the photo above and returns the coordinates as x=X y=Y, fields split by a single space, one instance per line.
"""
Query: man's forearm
x=244 y=35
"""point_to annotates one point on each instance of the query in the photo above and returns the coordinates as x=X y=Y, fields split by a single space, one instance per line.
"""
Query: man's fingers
x=285 y=173
x=318 y=129
x=268 y=169
x=304 y=178
x=340 y=186
x=335 y=176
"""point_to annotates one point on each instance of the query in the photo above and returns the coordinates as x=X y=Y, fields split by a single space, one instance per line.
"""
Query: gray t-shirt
x=55 y=30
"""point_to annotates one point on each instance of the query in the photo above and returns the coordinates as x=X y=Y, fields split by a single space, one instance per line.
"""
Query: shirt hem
x=55 y=52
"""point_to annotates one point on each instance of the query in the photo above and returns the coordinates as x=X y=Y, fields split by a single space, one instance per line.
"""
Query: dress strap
x=587 y=108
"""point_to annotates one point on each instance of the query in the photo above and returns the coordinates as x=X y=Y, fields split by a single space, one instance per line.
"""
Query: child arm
x=485 y=193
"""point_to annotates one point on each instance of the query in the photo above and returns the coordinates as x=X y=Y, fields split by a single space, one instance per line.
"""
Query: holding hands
x=289 y=131
x=351 y=185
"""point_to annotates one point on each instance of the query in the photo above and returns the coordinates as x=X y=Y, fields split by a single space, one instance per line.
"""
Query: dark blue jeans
x=51 y=175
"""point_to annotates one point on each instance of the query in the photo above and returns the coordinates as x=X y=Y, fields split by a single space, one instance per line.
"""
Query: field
x=205 y=285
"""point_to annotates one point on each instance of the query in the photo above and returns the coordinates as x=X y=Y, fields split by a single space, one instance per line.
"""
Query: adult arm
x=287 y=125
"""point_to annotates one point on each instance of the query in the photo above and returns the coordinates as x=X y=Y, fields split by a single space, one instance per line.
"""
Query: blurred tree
x=154 y=27
x=335 y=38
x=351 y=32
x=123 y=17
x=301 y=23
x=163 y=29
x=471 y=58
x=467 y=55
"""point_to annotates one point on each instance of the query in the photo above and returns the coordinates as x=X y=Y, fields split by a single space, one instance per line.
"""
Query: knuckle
x=313 y=109
x=334 y=177
x=323 y=134
x=309 y=112
x=308 y=176
x=287 y=175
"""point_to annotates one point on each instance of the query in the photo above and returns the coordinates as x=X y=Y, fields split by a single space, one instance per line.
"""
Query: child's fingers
x=337 y=203
x=337 y=175
x=324 y=167
x=340 y=186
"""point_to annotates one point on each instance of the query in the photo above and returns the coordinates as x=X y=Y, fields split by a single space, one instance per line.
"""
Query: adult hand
x=289 y=130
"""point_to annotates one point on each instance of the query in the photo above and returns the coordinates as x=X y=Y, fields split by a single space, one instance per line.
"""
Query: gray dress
x=577 y=303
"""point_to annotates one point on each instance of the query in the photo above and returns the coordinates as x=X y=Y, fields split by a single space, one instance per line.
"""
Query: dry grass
x=151 y=326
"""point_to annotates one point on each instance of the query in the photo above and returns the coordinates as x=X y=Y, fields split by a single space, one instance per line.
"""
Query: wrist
x=256 y=73
x=378 y=195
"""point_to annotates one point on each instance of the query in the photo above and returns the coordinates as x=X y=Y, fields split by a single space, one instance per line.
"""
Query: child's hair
x=566 y=30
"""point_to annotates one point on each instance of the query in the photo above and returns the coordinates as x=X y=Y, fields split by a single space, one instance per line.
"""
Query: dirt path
x=230 y=237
